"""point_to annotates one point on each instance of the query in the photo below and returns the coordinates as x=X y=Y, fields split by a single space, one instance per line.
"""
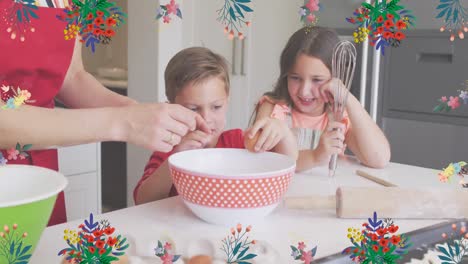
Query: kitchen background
x=408 y=81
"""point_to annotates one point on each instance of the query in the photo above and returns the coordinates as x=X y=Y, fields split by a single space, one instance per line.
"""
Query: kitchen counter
x=170 y=220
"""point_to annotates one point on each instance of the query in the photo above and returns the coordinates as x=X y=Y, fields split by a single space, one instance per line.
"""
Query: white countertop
x=170 y=220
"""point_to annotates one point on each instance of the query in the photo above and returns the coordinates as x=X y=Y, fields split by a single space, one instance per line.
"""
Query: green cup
x=27 y=197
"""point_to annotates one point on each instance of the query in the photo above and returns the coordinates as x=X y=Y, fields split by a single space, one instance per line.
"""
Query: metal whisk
x=343 y=66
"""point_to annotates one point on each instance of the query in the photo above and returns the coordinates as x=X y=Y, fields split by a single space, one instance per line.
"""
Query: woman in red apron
x=39 y=63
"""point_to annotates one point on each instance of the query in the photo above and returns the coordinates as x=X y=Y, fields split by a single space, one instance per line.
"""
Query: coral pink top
x=308 y=128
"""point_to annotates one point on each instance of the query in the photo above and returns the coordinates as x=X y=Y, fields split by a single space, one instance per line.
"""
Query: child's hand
x=271 y=130
x=331 y=142
x=193 y=140
x=328 y=89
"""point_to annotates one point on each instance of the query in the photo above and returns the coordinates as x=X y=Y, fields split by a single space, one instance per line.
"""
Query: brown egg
x=249 y=143
x=200 y=259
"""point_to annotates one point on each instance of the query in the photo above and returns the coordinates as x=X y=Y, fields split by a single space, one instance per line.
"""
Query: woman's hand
x=331 y=142
x=193 y=140
x=271 y=130
x=157 y=127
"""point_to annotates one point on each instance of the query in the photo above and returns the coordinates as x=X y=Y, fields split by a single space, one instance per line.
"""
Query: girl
x=198 y=79
x=301 y=97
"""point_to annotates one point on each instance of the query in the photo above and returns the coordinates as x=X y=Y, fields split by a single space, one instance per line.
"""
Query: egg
x=249 y=143
x=200 y=259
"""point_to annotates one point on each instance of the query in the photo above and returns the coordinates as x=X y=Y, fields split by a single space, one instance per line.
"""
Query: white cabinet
x=81 y=165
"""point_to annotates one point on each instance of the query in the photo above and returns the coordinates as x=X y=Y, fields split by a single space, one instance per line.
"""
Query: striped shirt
x=53 y=3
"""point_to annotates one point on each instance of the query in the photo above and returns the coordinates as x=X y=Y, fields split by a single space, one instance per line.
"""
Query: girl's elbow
x=380 y=164
x=379 y=161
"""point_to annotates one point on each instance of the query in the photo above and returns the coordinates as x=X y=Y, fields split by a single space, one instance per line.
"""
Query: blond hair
x=194 y=65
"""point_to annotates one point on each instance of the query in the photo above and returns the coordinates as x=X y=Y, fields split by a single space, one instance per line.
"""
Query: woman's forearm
x=44 y=128
x=83 y=90
x=156 y=187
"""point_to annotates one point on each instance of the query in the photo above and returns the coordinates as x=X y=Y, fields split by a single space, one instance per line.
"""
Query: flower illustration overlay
x=18 y=18
x=306 y=12
x=12 y=249
x=376 y=242
x=456 y=246
x=164 y=253
x=94 y=21
x=383 y=23
x=236 y=246
x=94 y=242
x=300 y=253
x=167 y=11
x=455 y=168
x=447 y=104
x=232 y=16
x=11 y=98
x=454 y=17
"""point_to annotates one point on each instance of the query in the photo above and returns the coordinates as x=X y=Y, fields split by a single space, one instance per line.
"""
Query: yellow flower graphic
x=71 y=31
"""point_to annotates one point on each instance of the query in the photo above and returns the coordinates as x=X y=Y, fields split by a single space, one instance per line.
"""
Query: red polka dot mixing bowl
x=229 y=186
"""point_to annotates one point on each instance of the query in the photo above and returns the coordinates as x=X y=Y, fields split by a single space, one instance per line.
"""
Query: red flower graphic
x=380 y=30
x=395 y=240
x=98 y=21
x=97 y=233
x=100 y=244
x=400 y=25
x=381 y=231
x=392 y=228
x=109 y=33
x=383 y=242
x=109 y=231
x=387 y=35
x=399 y=35
x=111 y=241
x=389 y=24
x=97 y=32
x=110 y=22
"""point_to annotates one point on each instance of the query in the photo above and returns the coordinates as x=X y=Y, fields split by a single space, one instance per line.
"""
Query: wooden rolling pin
x=389 y=202
x=374 y=179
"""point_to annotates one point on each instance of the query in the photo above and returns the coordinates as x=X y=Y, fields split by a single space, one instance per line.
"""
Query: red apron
x=38 y=64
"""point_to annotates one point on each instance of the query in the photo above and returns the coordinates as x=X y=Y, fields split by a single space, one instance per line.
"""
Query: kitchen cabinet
x=81 y=164
x=426 y=67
